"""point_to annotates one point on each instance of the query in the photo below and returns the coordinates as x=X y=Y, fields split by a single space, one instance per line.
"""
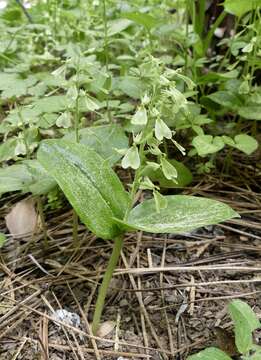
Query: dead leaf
x=225 y=341
x=22 y=219
x=105 y=328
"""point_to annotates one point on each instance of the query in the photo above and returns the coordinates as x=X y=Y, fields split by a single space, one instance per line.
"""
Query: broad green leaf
x=29 y=176
x=24 y=114
x=7 y=149
x=246 y=143
x=2 y=239
x=240 y=7
x=207 y=144
x=117 y=26
x=226 y=99
x=184 y=176
x=210 y=354
x=250 y=112
x=103 y=139
x=182 y=214
x=242 y=142
x=228 y=141
x=12 y=85
x=13 y=178
x=245 y=322
x=256 y=352
x=91 y=186
x=7 y=80
x=142 y=19
x=40 y=182
x=131 y=86
x=51 y=104
x=213 y=77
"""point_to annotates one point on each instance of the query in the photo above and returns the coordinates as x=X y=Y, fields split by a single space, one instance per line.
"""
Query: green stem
x=76 y=121
x=25 y=11
x=106 y=50
x=77 y=139
x=77 y=113
x=43 y=223
x=118 y=242
x=209 y=37
x=27 y=148
x=138 y=172
x=187 y=34
x=201 y=18
x=75 y=229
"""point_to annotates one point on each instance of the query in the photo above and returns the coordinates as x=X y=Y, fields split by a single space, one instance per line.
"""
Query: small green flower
x=168 y=169
x=160 y=201
x=162 y=130
x=64 y=120
x=140 y=117
x=131 y=158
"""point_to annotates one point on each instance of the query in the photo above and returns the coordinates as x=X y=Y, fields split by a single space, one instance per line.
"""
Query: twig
x=29 y=17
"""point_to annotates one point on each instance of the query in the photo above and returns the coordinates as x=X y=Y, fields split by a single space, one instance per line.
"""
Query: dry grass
x=166 y=298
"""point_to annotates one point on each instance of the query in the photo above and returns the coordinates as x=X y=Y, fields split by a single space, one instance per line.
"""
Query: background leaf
x=104 y=140
x=2 y=239
x=28 y=176
x=240 y=7
x=7 y=149
x=226 y=99
x=12 y=178
x=210 y=354
x=145 y=20
x=118 y=25
x=182 y=214
x=207 y=144
x=183 y=179
x=250 y=112
x=40 y=182
x=245 y=321
x=246 y=143
x=131 y=86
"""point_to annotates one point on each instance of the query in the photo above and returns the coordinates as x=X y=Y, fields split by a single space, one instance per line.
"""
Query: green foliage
x=210 y=354
x=181 y=214
x=184 y=175
x=143 y=19
x=27 y=176
x=240 y=7
x=89 y=183
x=150 y=84
x=2 y=239
x=105 y=140
x=245 y=322
x=98 y=197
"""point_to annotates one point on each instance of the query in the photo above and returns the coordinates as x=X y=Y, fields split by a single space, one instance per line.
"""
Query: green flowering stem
x=118 y=242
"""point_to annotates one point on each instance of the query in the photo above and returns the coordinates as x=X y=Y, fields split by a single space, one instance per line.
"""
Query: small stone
x=67 y=317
